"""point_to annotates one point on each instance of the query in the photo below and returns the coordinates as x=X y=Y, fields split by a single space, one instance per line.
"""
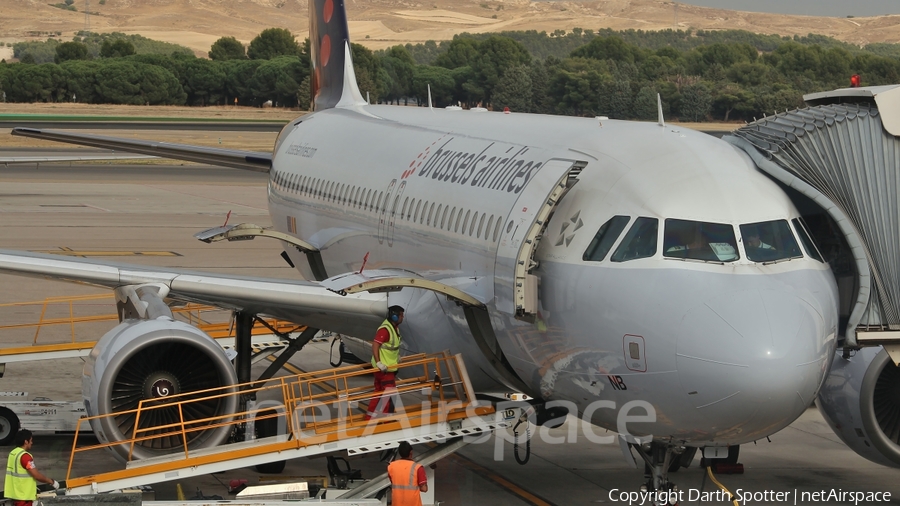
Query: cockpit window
x=696 y=240
x=603 y=241
x=808 y=243
x=639 y=242
x=769 y=241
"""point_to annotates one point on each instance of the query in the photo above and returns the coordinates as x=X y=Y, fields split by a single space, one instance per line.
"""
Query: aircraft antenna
x=429 y=97
x=87 y=15
x=662 y=121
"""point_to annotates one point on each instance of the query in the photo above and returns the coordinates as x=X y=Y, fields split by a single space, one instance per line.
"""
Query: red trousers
x=383 y=380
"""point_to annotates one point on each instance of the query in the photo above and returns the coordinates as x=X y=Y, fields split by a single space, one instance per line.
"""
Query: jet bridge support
x=842 y=153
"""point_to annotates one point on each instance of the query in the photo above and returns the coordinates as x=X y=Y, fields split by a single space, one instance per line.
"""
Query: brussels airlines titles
x=487 y=168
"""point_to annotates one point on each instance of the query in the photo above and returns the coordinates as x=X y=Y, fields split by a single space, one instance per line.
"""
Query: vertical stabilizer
x=333 y=79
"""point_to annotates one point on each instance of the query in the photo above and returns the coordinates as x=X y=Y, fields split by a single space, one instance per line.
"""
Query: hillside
x=382 y=23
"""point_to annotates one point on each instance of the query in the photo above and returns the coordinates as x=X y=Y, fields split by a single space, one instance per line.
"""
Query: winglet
x=333 y=79
x=662 y=121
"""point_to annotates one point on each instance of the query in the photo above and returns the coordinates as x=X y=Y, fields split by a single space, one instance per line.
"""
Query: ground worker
x=21 y=473
x=408 y=479
x=385 y=356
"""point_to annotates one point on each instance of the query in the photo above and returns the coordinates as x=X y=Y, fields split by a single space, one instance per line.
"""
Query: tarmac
x=148 y=214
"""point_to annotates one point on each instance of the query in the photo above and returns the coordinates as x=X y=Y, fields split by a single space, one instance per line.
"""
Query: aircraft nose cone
x=751 y=360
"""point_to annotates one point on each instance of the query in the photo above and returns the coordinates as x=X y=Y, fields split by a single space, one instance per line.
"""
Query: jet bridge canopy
x=843 y=157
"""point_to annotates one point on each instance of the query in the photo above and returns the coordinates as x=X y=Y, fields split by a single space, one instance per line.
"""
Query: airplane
x=577 y=260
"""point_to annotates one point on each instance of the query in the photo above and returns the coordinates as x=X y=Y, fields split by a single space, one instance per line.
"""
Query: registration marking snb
x=509 y=414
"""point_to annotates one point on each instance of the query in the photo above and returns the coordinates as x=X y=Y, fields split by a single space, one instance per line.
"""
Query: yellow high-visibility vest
x=19 y=484
x=390 y=351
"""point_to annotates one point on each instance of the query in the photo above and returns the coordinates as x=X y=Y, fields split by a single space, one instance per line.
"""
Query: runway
x=114 y=208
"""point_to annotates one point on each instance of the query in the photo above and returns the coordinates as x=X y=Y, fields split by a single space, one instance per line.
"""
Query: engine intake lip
x=874 y=400
x=140 y=360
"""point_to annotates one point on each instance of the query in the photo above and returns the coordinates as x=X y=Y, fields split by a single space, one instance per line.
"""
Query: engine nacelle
x=861 y=402
x=143 y=359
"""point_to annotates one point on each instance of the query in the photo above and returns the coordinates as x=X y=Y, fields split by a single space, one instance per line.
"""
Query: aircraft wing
x=304 y=302
x=18 y=160
x=236 y=159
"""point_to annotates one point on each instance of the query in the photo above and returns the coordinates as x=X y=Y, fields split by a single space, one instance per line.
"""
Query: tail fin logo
x=333 y=81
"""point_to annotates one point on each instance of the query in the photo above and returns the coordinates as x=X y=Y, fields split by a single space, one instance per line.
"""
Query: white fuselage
x=725 y=351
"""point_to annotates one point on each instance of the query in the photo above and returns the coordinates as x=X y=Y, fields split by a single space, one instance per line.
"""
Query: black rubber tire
x=268 y=428
x=9 y=426
x=734 y=453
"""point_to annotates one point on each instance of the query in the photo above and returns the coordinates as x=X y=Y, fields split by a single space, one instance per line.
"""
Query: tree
x=398 y=68
x=71 y=51
x=271 y=43
x=620 y=99
x=540 y=87
x=441 y=81
x=368 y=71
x=304 y=99
x=203 y=81
x=278 y=80
x=733 y=97
x=513 y=90
x=608 y=48
x=227 y=48
x=238 y=80
x=495 y=55
x=81 y=80
x=696 y=102
x=460 y=53
x=645 y=104
x=116 y=48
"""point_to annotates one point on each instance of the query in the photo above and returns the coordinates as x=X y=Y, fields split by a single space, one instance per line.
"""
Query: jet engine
x=146 y=359
x=861 y=402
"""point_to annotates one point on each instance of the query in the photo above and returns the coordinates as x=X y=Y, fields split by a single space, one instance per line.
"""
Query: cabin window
x=405 y=204
x=418 y=208
x=639 y=242
x=769 y=241
x=480 y=224
x=472 y=224
x=444 y=218
x=465 y=221
x=378 y=202
x=490 y=225
x=696 y=240
x=368 y=204
x=450 y=223
x=605 y=238
x=497 y=228
x=808 y=245
x=437 y=222
x=430 y=214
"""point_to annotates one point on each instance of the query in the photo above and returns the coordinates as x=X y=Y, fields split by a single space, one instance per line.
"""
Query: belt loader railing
x=433 y=400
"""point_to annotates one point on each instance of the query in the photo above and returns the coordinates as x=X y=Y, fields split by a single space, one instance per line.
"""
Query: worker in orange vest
x=408 y=479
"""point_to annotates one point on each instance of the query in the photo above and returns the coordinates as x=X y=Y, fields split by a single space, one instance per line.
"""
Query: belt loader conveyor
x=440 y=405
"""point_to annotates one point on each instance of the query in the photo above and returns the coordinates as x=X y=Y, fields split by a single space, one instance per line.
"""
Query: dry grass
x=197 y=23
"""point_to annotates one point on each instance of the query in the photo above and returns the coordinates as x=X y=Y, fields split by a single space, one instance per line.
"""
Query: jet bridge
x=842 y=153
x=320 y=414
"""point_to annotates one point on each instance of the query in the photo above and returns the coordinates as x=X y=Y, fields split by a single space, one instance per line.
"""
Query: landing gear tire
x=9 y=426
x=267 y=428
x=659 y=458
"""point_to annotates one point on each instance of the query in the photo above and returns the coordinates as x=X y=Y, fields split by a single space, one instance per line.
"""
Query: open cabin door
x=515 y=288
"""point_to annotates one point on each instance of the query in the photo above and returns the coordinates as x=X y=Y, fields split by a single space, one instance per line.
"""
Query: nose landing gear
x=659 y=460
